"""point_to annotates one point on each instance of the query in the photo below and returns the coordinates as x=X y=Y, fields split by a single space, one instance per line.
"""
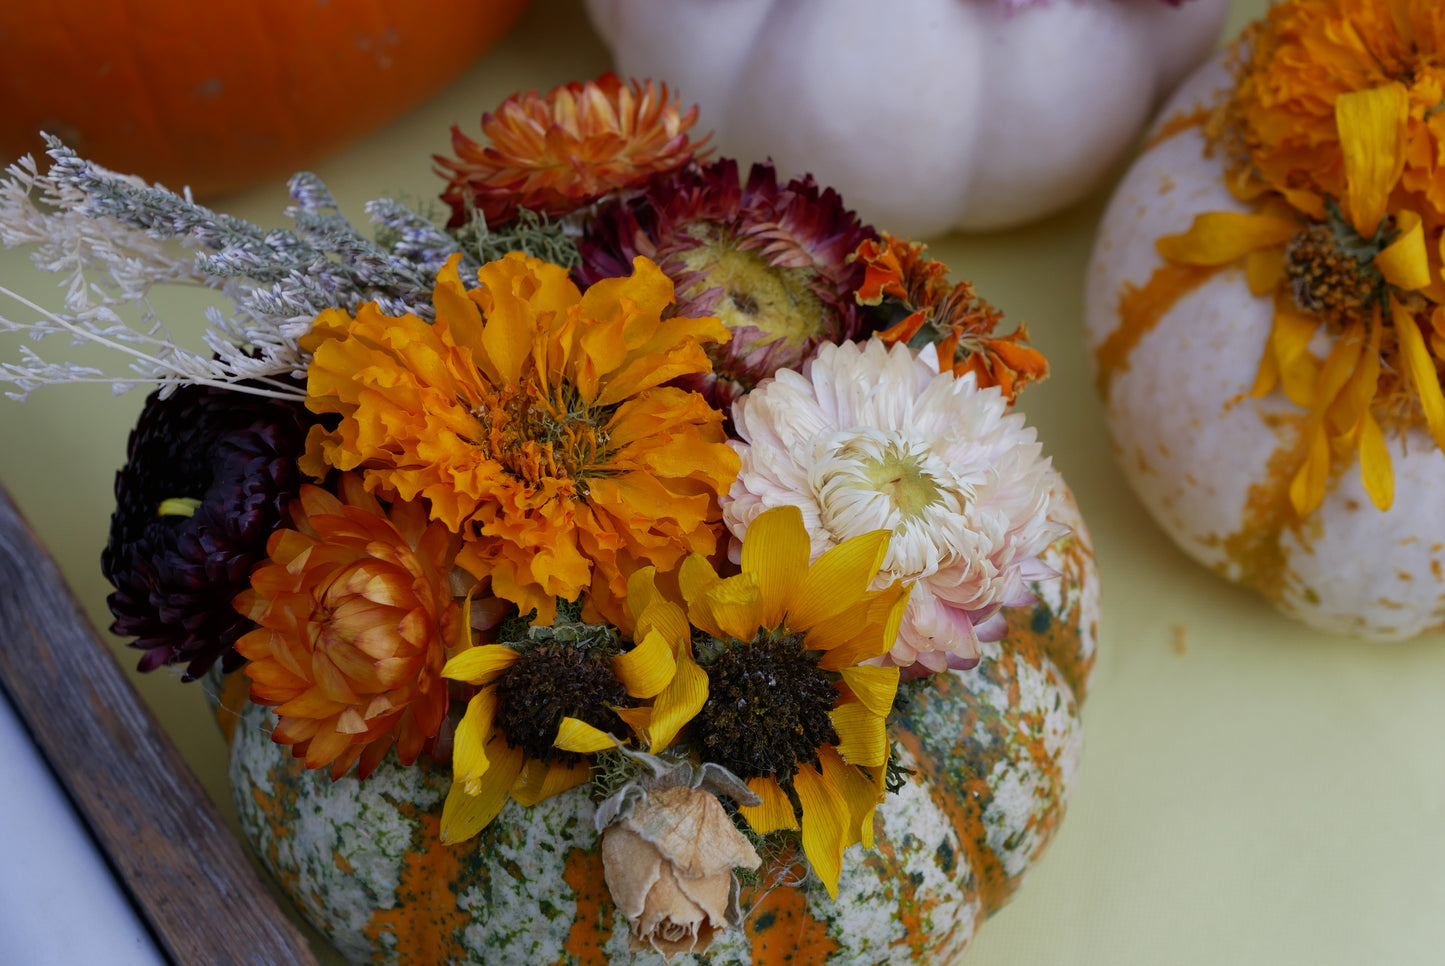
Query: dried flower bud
x=669 y=866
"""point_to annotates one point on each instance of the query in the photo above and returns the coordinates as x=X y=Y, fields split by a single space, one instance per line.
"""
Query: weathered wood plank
x=164 y=837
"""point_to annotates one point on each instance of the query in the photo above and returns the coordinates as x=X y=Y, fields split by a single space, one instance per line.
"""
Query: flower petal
x=679 y=702
x=875 y=687
x=776 y=550
x=480 y=665
x=1220 y=237
x=576 y=735
x=775 y=812
x=541 y=780
x=825 y=825
x=1420 y=368
x=1371 y=126
x=1375 y=471
x=834 y=580
x=862 y=735
x=474 y=731
x=1406 y=262
x=464 y=815
x=647 y=668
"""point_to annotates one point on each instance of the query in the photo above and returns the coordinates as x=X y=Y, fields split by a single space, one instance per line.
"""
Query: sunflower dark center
x=768 y=708
x=551 y=682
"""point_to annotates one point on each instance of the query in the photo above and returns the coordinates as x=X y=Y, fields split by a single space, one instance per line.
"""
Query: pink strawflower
x=868 y=438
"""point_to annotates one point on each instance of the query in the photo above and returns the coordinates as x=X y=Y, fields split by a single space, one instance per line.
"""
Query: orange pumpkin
x=219 y=96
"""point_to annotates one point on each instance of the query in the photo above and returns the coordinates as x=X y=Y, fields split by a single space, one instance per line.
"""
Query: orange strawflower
x=1334 y=133
x=554 y=154
x=534 y=420
x=951 y=316
x=357 y=620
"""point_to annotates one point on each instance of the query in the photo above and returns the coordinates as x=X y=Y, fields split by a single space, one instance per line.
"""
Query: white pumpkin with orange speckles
x=1174 y=350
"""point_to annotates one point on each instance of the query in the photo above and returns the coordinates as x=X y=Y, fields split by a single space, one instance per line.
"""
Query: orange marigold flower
x=1294 y=65
x=357 y=620
x=535 y=421
x=555 y=154
x=951 y=316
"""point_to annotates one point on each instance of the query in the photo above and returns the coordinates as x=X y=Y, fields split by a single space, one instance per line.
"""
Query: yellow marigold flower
x=1334 y=133
x=785 y=698
x=534 y=420
x=356 y=620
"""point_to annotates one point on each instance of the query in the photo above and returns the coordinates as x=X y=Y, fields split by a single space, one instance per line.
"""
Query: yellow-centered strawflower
x=534 y=420
x=1334 y=136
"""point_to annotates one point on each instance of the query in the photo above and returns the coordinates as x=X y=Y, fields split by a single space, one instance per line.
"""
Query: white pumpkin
x=928 y=115
x=1213 y=466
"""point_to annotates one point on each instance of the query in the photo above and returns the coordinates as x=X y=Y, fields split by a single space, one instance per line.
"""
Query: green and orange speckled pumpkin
x=995 y=751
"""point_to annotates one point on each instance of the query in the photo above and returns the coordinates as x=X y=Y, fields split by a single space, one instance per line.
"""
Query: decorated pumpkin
x=931 y=115
x=1264 y=315
x=651 y=539
x=996 y=750
x=218 y=96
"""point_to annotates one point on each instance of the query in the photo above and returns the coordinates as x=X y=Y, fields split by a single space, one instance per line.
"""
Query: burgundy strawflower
x=771 y=260
x=209 y=475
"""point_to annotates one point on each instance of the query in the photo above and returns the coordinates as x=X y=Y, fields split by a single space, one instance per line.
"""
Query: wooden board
x=185 y=870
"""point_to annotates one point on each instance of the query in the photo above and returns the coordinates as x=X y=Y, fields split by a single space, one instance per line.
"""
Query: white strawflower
x=869 y=438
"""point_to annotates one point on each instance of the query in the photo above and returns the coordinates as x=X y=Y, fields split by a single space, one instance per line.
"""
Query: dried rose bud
x=669 y=866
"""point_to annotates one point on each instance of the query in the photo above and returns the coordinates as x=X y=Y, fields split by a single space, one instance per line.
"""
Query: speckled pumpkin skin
x=1175 y=349
x=996 y=751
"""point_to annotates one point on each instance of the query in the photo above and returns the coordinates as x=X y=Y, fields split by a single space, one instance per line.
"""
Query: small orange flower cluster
x=951 y=316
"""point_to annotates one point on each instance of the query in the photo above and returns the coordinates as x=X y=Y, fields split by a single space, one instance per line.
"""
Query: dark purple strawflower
x=209 y=475
x=770 y=260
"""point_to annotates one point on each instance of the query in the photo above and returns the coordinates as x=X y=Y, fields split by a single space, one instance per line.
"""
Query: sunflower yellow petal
x=775 y=811
x=776 y=550
x=1220 y=237
x=646 y=669
x=1371 y=125
x=639 y=719
x=734 y=606
x=480 y=665
x=1420 y=368
x=835 y=579
x=826 y=825
x=474 y=731
x=1376 y=473
x=576 y=735
x=679 y=702
x=1406 y=262
x=875 y=687
x=464 y=815
x=862 y=735
x=540 y=780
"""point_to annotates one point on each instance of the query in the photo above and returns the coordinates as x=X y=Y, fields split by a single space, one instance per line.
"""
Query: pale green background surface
x=1265 y=794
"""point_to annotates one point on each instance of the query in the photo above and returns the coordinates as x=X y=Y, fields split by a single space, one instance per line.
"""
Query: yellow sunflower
x=1338 y=157
x=783 y=698
x=534 y=420
x=541 y=707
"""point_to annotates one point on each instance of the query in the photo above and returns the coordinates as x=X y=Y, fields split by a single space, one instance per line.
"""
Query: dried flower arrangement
x=642 y=484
